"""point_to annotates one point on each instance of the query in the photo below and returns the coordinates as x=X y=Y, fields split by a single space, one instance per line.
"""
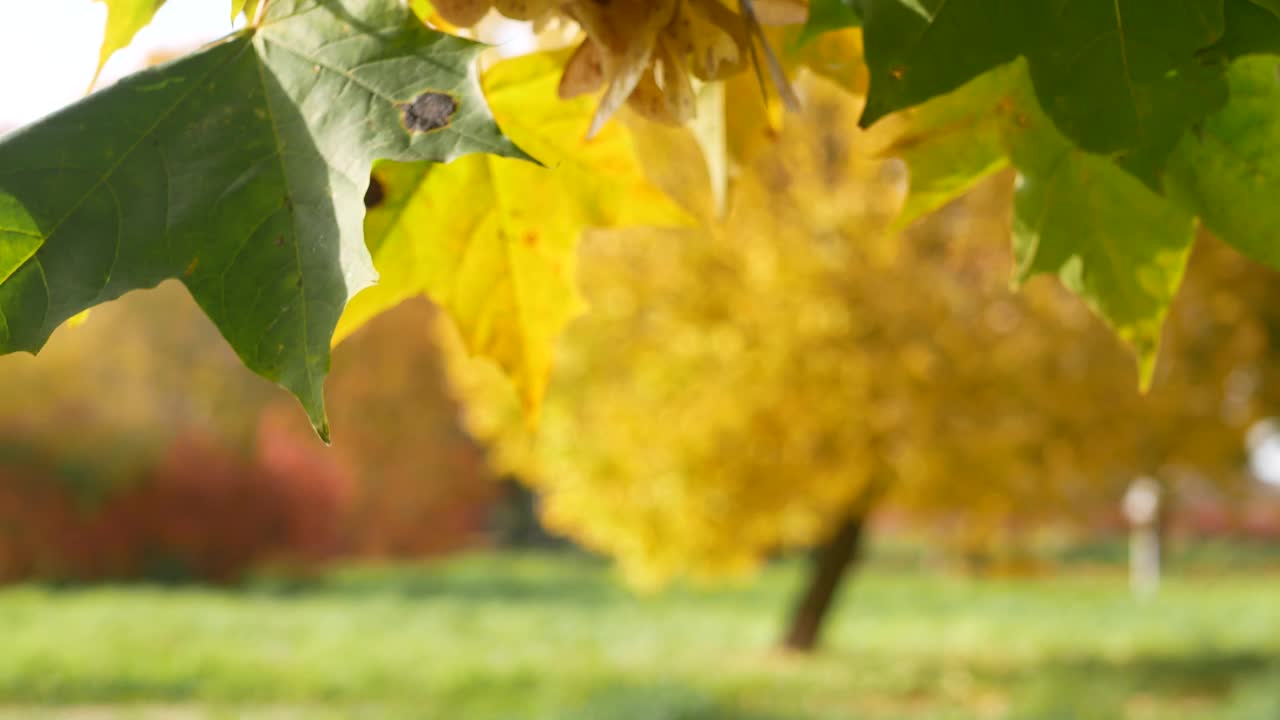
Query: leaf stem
x=259 y=12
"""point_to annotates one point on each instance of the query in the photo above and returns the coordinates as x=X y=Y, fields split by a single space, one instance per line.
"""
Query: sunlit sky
x=48 y=49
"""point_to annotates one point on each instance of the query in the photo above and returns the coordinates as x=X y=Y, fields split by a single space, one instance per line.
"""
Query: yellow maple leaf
x=493 y=240
x=124 y=19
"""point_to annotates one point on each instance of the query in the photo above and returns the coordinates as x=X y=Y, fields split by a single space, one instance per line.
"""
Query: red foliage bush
x=201 y=512
x=423 y=488
x=38 y=524
x=151 y=499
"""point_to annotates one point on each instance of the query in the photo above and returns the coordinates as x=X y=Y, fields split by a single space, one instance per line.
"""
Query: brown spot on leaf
x=279 y=240
x=429 y=111
x=898 y=73
x=374 y=196
x=195 y=263
x=530 y=238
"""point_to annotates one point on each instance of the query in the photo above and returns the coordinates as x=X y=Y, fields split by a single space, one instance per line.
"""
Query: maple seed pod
x=638 y=25
x=680 y=31
x=647 y=100
x=463 y=13
x=584 y=73
x=717 y=40
x=673 y=77
x=525 y=9
x=644 y=52
x=781 y=12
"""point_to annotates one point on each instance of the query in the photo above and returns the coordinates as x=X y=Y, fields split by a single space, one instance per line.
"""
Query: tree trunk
x=829 y=565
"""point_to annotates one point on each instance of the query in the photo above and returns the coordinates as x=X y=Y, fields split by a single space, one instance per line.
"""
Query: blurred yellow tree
x=756 y=383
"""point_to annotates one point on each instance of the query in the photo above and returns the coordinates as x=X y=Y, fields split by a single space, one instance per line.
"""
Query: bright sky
x=48 y=49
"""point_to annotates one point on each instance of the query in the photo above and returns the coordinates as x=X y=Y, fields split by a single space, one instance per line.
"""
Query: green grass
x=554 y=638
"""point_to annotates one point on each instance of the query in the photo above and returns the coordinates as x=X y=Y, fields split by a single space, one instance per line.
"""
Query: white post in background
x=1142 y=507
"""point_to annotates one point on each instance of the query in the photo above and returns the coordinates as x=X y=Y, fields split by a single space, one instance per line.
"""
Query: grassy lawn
x=553 y=638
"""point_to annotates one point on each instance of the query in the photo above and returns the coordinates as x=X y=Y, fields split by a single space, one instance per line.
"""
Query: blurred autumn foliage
x=755 y=382
x=201 y=512
x=423 y=487
x=137 y=448
x=759 y=382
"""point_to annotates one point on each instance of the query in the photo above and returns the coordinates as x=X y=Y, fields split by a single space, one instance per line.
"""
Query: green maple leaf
x=1109 y=238
x=951 y=142
x=239 y=170
x=1251 y=28
x=1229 y=171
x=1272 y=5
x=919 y=49
x=1122 y=78
x=1181 y=95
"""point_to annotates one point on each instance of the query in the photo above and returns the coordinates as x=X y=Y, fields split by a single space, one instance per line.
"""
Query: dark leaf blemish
x=374 y=195
x=429 y=111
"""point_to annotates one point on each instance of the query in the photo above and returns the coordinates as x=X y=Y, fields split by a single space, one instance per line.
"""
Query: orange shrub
x=201 y=512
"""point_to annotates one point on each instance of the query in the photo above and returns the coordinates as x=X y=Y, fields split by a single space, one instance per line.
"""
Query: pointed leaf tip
x=124 y=19
x=1110 y=240
x=322 y=432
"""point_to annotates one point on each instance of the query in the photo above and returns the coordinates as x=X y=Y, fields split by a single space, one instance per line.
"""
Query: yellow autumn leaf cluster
x=493 y=240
